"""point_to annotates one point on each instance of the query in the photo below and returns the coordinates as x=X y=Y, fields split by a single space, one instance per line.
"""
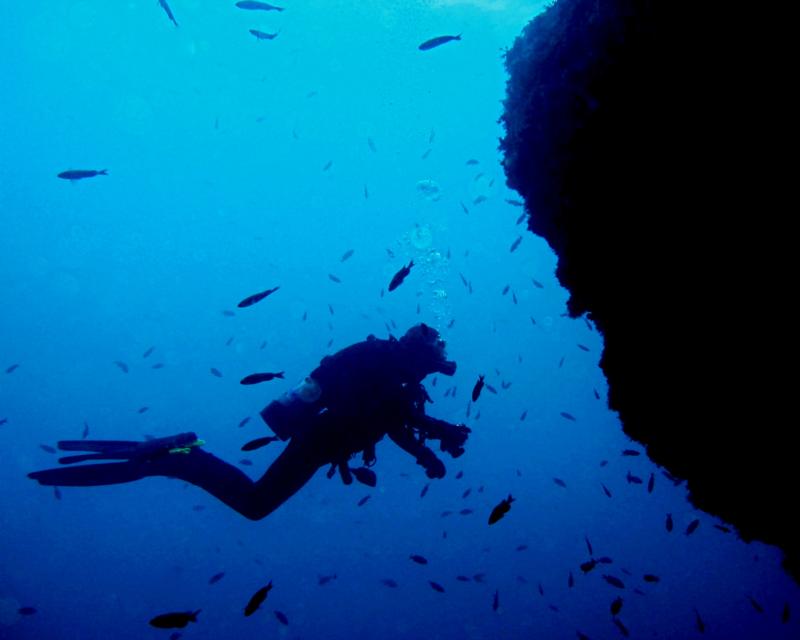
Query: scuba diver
x=344 y=407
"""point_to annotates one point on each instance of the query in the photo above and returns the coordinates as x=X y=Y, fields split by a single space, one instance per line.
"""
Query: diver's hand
x=453 y=442
x=434 y=468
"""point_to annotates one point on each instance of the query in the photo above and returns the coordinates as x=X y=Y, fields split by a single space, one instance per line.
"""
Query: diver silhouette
x=344 y=407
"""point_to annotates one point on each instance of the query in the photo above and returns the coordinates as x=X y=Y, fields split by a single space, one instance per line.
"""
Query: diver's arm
x=404 y=438
x=451 y=436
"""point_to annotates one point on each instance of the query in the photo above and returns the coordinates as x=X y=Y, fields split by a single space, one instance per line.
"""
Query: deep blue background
x=216 y=146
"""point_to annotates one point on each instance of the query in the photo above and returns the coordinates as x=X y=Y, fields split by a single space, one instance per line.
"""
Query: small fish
x=515 y=244
x=541 y=589
x=632 y=479
x=174 y=620
x=228 y=313
x=701 y=627
x=614 y=581
x=537 y=284
x=256 y=297
x=334 y=278
x=197 y=508
x=147 y=353
x=263 y=35
x=466 y=493
x=630 y=452
x=347 y=255
x=281 y=617
x=163 y=4
x=366 y=193
x=496 y=600
x=466 y=512
x=257 y=598
x=3 y=421
x=785 y=614
x=47 y=448
x=723 y=528
x=418 y=559
x=523 y=415
x=692 y=527
x=605 y=490
x=588 y=545
x=583 y=347
x=480 y=199
x=253 y=5
x=328 y=165
x=143 y=409
x=26 y=611
x=437 y=42
x=424 y=490
x=80 y=174
x=521 y=218
x=323 y=580
x=244 y=421
x=330 y=308
x=567 y=416
x=491 y=389
x=57 y=493
x=514 y=203
x=622 y=628
x=158 y=365
x=501 y=509
x=371 y=144
x=616 y=606
x=229 y=342
x=398 y=277
x=259 y=442
x=570 y=580
x=256 y=378
x=560 y=482
x=506 y=288
x=216 y=577
x=388 y=582
x=215 y=372
x=668 y=522
x=476 y=390
x=589 y=565
x=436 y=586
x=365 y=476
x=464 y=207
x=245 y=462
x=363 y=501
x=649 y=577
x=123 y=367
x=425 y=155
x=521 y=547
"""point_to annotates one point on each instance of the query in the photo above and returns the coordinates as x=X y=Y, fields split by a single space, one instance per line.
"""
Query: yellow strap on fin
x=188 y=448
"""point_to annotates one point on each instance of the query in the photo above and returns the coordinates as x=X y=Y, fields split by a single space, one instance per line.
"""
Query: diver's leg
x=254 y=500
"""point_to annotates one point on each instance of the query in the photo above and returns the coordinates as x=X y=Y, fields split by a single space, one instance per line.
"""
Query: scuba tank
x=289 y=413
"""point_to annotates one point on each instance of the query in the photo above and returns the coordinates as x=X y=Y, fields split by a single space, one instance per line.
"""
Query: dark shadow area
x=644 y=137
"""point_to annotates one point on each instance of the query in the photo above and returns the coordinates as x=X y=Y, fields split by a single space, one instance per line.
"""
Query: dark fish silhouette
x=245 y=462
x=123 y=367
x=605 y=490
x=786 y=613
x=244 y=421
x=622 y=628
x=143 y=409
x=347 y=255
x=466 y=512
x=632 y=479
x=174 y=620
x=398 y=277
x=258 y=443
x=256 y=600
x=614 y=581
x=630 y=452
x=216 y=577
x=228 y=314
x=466 y=493
x=256 y=378
x=560 y=482
x=26 y=611
x=256 y=297
x=363 y=501
x=80 y=174
x=463 y=578
x=701 y=627
x=334 y=278
x=424 y=490
x=588 y=545
x=587 y=566
x=436 y=586
x=281 y=617
x=57 y=493
x=163 y=4
x=148 y=352
x=388 y=582
x=323 y=580
x=3 y=421
x=215 y=372
x=365 y=476
x=418 y=559
x=476 y=390
x=668 y=522
x=437 y=42
x=722 y=528
x=567 y=416
x=692 y=527
x=515 y=244
x=253 y=5
x=651 y=483
x=649 y=577
x=501 y=509
x=263 y=35
x=571 y=580
x=616 y=606
x=755 y=604
x=521 y=547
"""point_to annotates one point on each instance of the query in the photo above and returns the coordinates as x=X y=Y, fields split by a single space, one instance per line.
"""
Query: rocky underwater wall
x=634 y=132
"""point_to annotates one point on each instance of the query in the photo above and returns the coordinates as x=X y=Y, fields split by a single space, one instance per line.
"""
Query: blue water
x=216 y=146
